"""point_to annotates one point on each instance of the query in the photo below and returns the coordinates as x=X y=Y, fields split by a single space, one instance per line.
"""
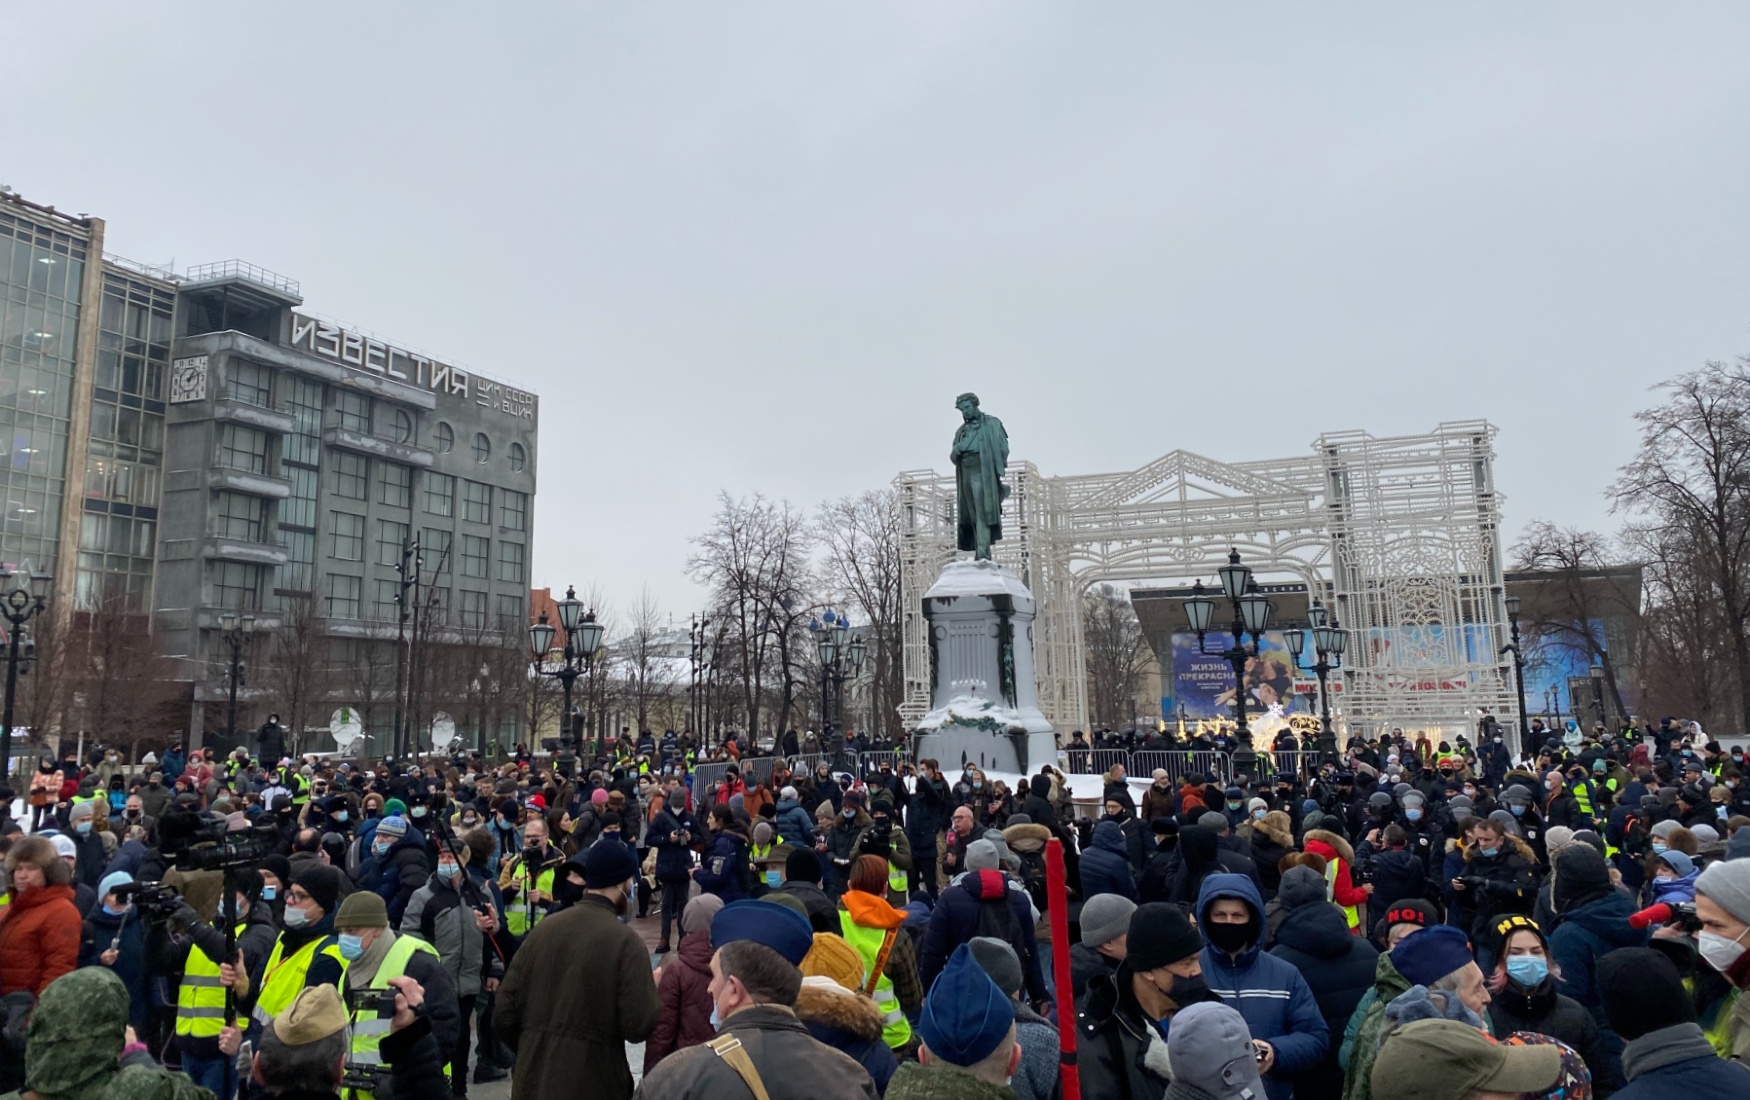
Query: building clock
x=188 y=380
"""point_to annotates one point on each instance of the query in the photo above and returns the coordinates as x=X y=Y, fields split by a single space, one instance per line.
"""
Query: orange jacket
x=39 y=939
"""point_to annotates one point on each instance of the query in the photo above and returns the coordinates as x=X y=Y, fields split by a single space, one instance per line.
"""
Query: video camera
x=197 y=844
x=368 y=1004
x=154 y=900
x=1682 y=914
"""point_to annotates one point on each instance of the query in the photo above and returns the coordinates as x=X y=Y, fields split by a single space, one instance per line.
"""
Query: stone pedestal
x=985 y=706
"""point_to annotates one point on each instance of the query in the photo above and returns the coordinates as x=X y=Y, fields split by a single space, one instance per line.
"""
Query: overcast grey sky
x=762 y=246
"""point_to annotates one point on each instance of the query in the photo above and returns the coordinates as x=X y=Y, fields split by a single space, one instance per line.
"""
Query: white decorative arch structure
x=1401 y=535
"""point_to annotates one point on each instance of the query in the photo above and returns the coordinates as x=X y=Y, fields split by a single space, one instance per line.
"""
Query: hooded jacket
x=1122 y=1054
x=1331 y=847
x=724 y=870
x=847 y=1021
x=1338 y=968
x=74 y=1049
x=1677 y=1061
x=1587 y=934
x=794 y=824
x=127 y=931
x=1106 y=863
x=684 y=1018
x=396 y=875
x=442 y=917
x=1275 y=1000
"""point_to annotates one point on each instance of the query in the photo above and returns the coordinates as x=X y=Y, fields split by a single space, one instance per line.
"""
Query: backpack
x=996 y=919
x=1033 y=877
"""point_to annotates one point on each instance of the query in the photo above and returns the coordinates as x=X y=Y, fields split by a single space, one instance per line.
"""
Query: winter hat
x=1425 y=957
x=1728 y=884
x=112 y=880
x=981 y=855
x=1301 y=886
x=1004 y=855
x=1557 y=837
x=832 y=957
x=1408 y=911
x=392 y=826
x=802 y=866
x=1664 y=829
x=607 y=865
x=1105 y=917
x=394 y=806
x=1213 y=820
x=782 y=929
x=1587 y=836
x=696 y=917
x=316 y=1013
x=598 y=797
x=1578 y=876
x=787 y=901
x=1160 y=934
x=278 y=866
x=1642 y=992
x=855 y=798
x=965 y=1017
x=1309 y=806
x=322 y=883
x=789 y=793
x=1256 y=804
x=1705 y=834
x=999 y=961
x=81 y=811
x=361 y=909
x=64 y=846
x=1509 y=824
x=1677 y=861
x=1210 y=1048
x=762 y=834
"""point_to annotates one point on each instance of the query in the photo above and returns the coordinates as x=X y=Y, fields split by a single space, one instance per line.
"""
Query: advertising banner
x=1204 y=686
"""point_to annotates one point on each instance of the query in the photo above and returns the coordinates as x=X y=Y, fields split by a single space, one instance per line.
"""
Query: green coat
x=1388 y=985
x=73 y=1049
x=942 y=1082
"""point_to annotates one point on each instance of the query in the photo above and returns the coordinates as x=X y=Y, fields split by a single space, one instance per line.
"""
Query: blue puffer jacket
x=1106 y=863
x=1586 y=935
x=1275 y=1000
x=794 y=824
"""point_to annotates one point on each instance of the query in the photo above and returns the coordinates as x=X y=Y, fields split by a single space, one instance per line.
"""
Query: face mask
x=1413 y=815
x=1488 y=853
x=340 y=817
x=978 y=785
x=113 y=911
x=774 y=879
x=133 y=815
x=1497 y=740
x=1528 y=970
x=1230 y=938
x=351 y=947
x=1660 y=847
x=1518 y=810
x=1258 y=815
x=716 y=1020
x=1470 y=792
x=1720 y=953
x=1233 y=805
x=82 y=828
x=1186 y=991
x=419 y=811
x=296 y=918
x=502 y=825
x=381 y=846
x=268 y=893
x=850 y=813
x=470 y=822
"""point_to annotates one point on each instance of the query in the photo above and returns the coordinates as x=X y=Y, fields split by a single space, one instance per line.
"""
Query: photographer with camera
x=527 y=880
x=114 y=936
x=304 y=1051
x=200 y=998
x=376 y=957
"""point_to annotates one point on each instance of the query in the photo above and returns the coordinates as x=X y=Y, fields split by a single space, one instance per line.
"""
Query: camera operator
x=307 y=952
x=114 y=936
x=527 y=880
x=304 y=1050
x=376 y=956
x=200 y=998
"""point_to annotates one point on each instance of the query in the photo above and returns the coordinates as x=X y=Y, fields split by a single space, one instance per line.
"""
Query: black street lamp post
x=26 y=595
x=583 y=640
x=235 y=632
x=1251 y=610
x=841 y=658
x=1517 y=648
x=1329 y=642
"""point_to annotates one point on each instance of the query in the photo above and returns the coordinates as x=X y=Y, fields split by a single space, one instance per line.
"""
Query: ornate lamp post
x=1518 y=650
x=1329 y=641
x=26 y=595
x=235 y=633
x=841 y=658
x=583 y=640
x=1251 y=615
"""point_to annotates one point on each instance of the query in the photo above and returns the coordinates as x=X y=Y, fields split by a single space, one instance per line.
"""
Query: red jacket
x=684 y=997
x=1333 y=849
x=39 y=939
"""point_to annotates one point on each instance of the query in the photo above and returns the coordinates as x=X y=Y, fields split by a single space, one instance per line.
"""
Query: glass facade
x=41 y=270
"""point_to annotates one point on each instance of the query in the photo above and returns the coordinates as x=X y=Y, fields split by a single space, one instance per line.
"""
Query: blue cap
x=783 y=930
x=1425 y=957
x=965 y=1016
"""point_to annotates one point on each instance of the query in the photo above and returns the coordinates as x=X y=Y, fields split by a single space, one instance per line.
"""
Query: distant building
x=186 y=446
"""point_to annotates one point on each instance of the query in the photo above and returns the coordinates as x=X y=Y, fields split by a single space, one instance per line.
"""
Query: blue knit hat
x=1425 y=957
x=965 y=1016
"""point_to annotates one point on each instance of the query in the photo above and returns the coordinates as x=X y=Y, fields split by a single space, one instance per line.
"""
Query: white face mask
x=1720 y=952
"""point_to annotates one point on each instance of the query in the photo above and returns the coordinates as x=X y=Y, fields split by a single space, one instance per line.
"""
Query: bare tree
x=1116 y=653
x=295 y=667
x=754 y=559
x=44 y=691
x=644 y=668
x=1583 y=588
x=860 y=540
x=118 y=681
x=365 y=675
x=1692 y=475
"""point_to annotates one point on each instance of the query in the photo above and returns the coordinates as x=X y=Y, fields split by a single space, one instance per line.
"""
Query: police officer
x=307 y=952
x=375 y=957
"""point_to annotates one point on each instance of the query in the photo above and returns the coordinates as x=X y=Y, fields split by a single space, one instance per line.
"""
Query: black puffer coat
x=1340 y=969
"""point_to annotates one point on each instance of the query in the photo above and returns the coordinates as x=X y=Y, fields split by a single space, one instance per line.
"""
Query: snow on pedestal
x=985 y=705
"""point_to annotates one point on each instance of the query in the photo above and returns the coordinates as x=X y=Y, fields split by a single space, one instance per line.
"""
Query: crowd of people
x=1416 y=919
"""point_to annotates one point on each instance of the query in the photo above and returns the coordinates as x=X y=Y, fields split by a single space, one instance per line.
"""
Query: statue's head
x=967 y=403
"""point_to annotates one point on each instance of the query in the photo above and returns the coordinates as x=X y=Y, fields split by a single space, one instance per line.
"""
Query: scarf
x=361 y=971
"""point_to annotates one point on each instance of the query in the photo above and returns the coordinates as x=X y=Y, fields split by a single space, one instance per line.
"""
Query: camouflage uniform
x=74 y=1049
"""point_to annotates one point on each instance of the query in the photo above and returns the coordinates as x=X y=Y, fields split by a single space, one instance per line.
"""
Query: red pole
x=1057 y=894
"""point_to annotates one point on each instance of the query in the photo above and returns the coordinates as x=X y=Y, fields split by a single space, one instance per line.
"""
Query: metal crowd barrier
x=1300 y=762
x=1178 y=763
x=758 y=768
x=1096 y=761
x=805 y=763
x=870 y=761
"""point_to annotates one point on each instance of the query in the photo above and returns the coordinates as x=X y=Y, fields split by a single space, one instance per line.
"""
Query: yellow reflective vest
x=368 y=1028
x=895 y=1030
x=200 y=999
x=1351 y=913
x=284 y=977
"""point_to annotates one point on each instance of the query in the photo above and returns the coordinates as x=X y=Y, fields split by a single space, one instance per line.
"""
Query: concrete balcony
x=360 y=443
x=255 y=485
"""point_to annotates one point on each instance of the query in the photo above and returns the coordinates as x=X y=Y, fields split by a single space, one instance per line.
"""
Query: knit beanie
x=696 y=917
x=1642 y=992
x=999 y=961
x=361 y=909
x=1105 y=917
x=1580 y=877
x=1557 y=837
x=112 y=880
x=832 y=957
x=802 y=866
x=1160 y=934
x=393 y=826
x=1727 y=884
x=1677 y=861
x=1425 y=957
x=981 y=855
x=322 y=883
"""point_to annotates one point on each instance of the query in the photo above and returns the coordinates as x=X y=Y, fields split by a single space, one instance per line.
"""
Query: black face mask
x=1189 y=991
x=567 y=892
x=1231 y=938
